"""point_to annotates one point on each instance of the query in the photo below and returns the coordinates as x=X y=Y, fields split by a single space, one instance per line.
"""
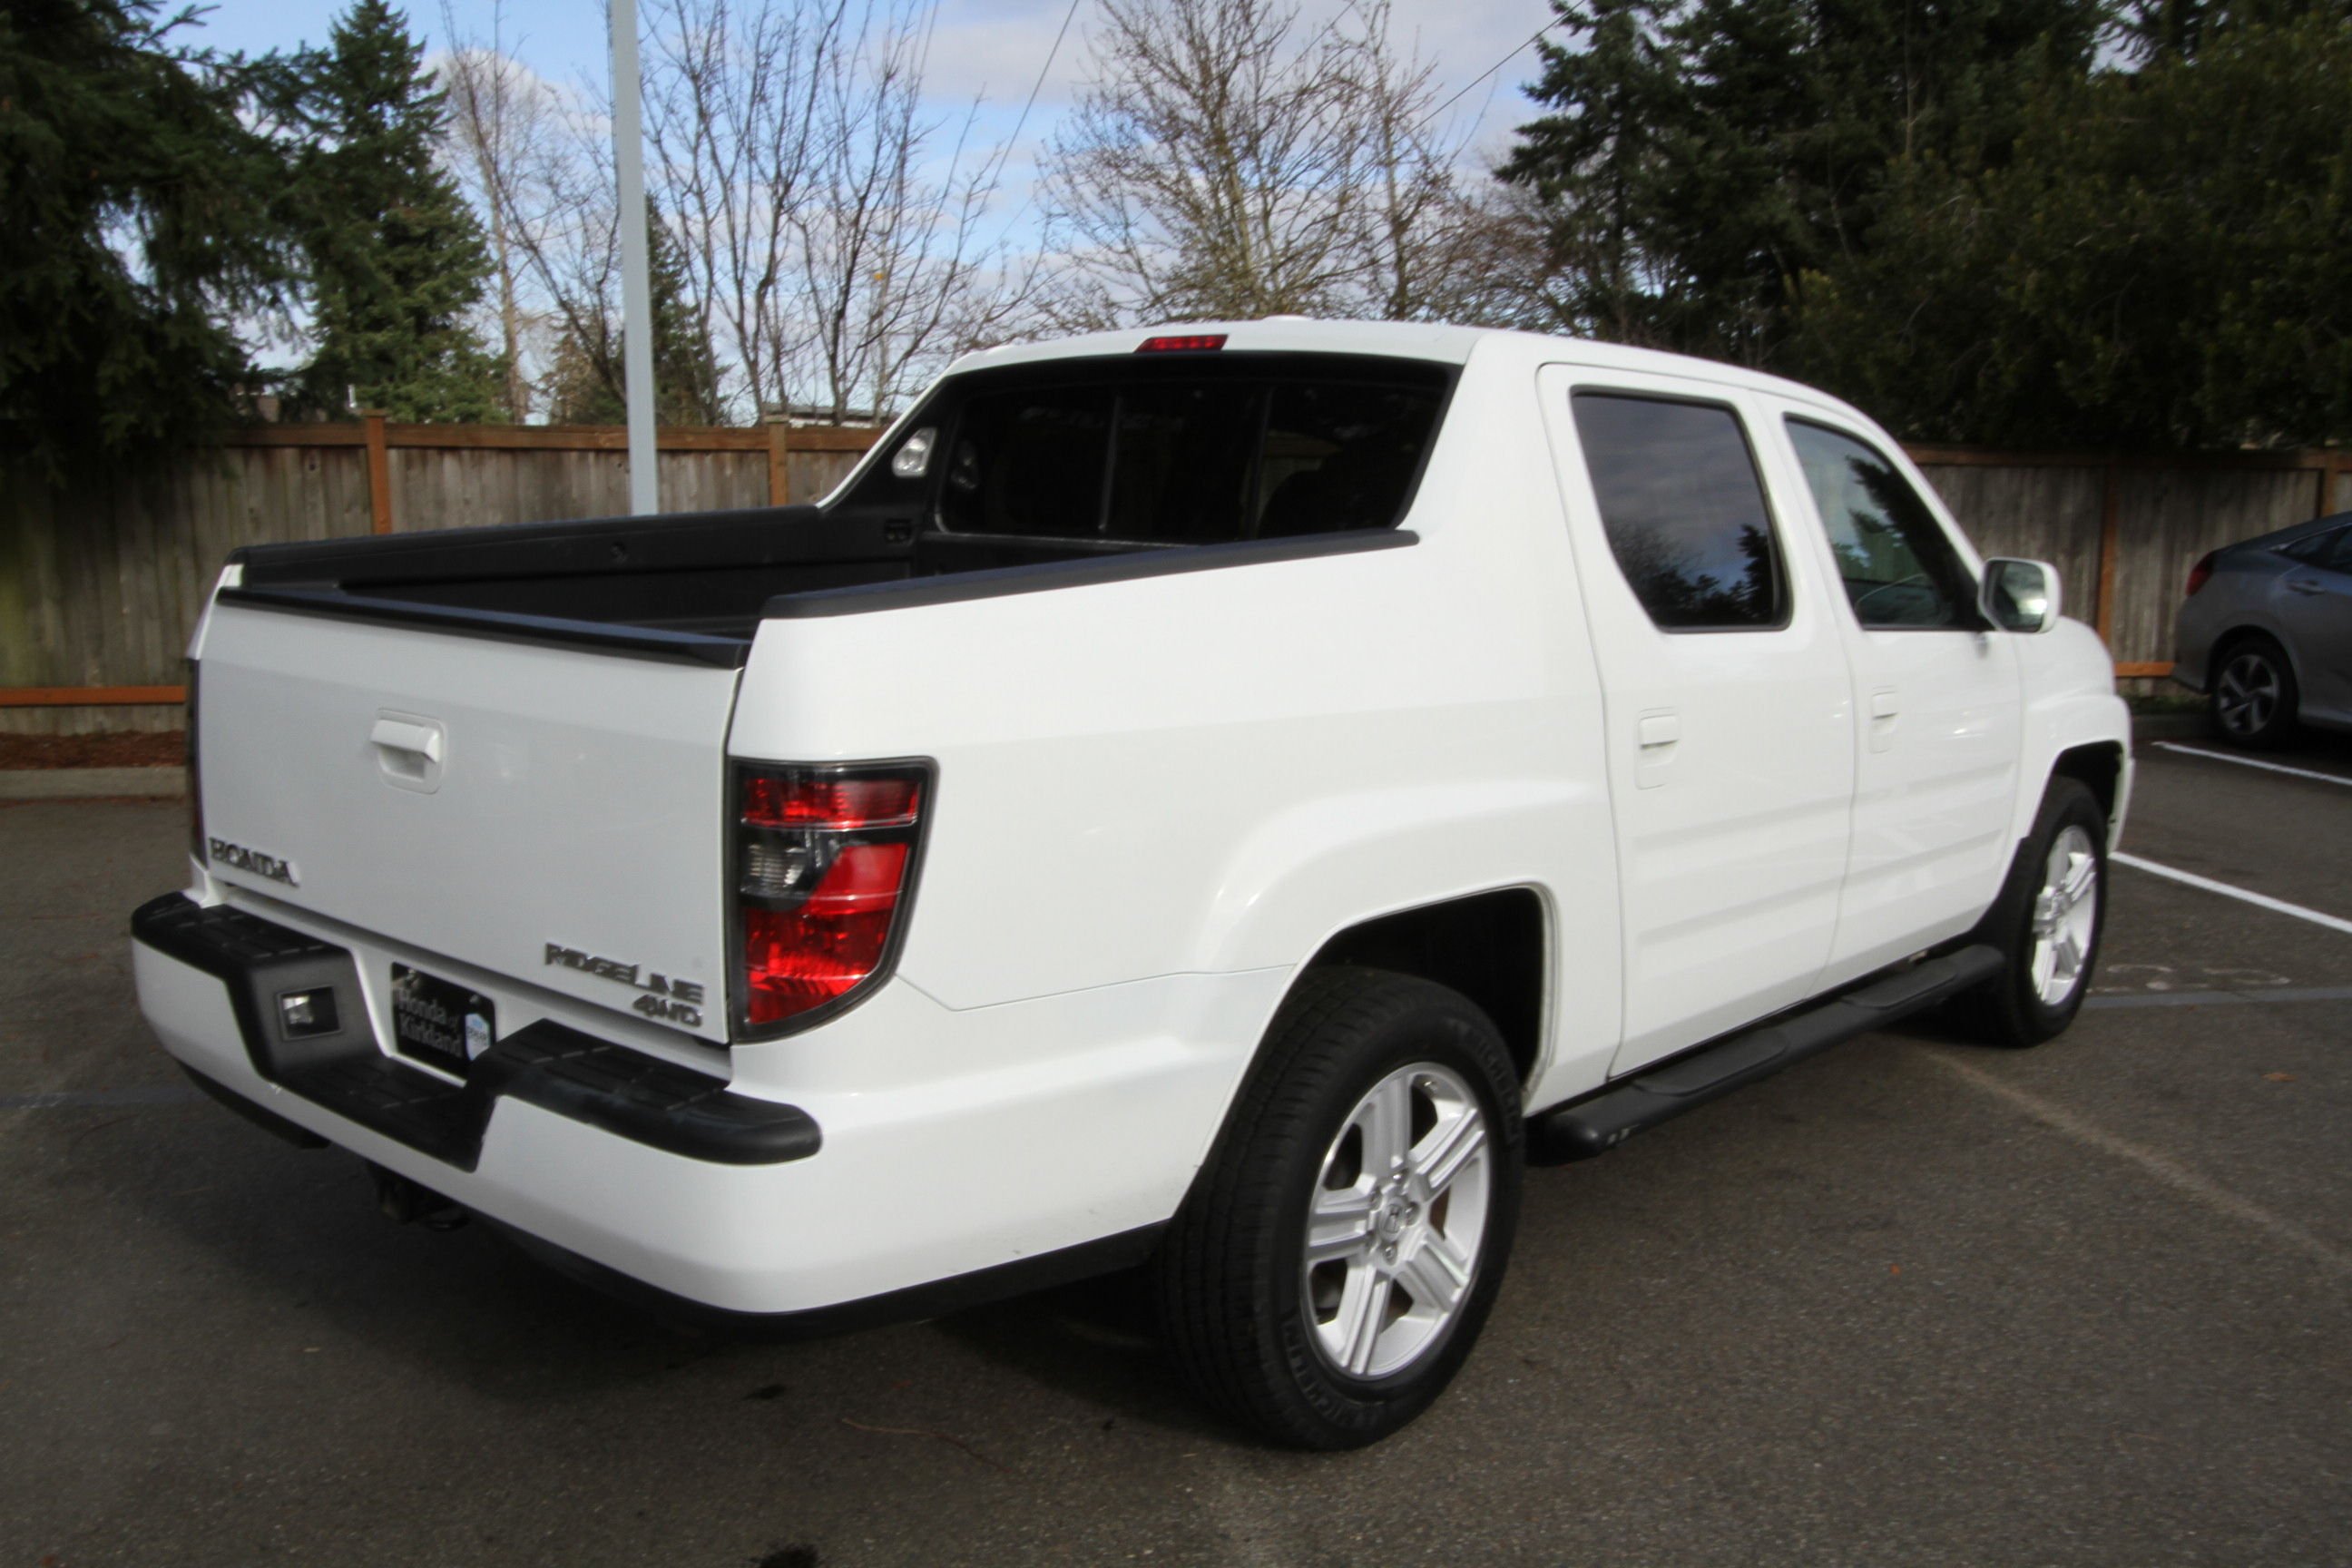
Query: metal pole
x=637 y=283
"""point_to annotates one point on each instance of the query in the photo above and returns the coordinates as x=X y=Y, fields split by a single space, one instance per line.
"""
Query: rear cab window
x=1145 y=452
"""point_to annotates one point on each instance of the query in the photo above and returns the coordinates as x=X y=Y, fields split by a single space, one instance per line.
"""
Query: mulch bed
x=168 y=749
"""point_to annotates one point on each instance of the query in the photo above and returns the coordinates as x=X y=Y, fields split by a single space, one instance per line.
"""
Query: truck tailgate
x=546 y=813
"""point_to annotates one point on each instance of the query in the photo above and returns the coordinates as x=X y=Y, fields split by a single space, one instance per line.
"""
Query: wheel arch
x=2099 y=766
x=2226 y=643
x=2075 y=727
x=1492 y=947
x=1438 y=940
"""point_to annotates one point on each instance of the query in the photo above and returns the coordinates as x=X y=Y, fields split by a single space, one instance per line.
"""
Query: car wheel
x=2047 y=923
x=2253 y=696
x=1342 y=1248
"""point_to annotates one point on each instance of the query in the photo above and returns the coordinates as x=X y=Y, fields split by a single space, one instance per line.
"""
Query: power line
x=1490 y=71
x=1038 y=86
x=1013 y=141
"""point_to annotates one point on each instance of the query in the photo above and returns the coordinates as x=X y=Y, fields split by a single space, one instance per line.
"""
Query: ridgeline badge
x=664 y=1001
x=252 y=861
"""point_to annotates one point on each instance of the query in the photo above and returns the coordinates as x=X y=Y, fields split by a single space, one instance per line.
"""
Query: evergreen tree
x=1739 y=145
x=1592 y=166
x=2167 y=262
x=396 y=260
x=140 y=224
x=587 y=381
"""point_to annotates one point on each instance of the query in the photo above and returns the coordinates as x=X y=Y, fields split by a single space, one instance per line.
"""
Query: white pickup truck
x=1221 y=797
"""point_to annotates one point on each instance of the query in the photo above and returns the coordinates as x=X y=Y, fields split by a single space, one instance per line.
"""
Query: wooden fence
x=2125 y=531
x=98 y=589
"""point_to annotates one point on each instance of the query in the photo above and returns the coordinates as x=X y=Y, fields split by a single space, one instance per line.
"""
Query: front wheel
x=1341 y=1251
x=2047 y=923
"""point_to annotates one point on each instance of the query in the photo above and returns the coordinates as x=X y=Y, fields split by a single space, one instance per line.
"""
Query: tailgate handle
x=410 y=750
x=401 y=735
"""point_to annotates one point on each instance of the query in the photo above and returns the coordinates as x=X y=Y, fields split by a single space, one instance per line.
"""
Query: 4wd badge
x=664 y=1000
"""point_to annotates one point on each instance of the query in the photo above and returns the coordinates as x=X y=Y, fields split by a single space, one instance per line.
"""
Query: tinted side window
x=2332 y=550
x=1683 y=511
x=1900 y=570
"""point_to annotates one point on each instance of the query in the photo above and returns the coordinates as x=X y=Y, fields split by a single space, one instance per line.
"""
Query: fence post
x=2110 y=547
x=379 y=465
x=780 y=478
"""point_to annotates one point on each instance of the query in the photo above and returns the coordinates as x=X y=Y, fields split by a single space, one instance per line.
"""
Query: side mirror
x=2020 y=596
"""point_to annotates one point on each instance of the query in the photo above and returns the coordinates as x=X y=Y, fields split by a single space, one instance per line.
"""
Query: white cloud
x=995 y=49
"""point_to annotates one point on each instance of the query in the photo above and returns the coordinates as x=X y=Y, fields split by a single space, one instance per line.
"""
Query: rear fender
x=1311 y=872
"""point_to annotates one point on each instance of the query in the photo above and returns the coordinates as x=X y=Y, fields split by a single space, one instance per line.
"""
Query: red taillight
x=823 y=861
x=772 y=800
x=195 y=778
x=1181 y=343
x=2201 y=573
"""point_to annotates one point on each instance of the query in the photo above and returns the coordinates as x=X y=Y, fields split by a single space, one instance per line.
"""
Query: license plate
x=439 y=1021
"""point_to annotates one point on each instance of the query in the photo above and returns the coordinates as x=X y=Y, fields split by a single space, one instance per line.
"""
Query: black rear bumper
x=549 y=1064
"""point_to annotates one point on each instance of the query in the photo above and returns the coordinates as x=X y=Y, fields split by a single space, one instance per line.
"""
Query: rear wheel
x=1337 y=1258
x=2047 y=923
x=2253 y=697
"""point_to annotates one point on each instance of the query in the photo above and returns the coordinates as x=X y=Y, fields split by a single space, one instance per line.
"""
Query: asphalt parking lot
x=1912 y=1302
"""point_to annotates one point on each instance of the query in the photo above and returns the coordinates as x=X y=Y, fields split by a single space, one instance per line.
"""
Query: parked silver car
x=2267 y=632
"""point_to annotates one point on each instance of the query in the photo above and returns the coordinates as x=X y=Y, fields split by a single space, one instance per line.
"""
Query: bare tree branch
x=1223 y=162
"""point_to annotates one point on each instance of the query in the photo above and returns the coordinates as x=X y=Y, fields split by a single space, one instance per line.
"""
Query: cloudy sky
x=989 y=49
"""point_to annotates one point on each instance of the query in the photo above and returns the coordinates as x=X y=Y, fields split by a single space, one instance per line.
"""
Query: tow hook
x=408 y=1202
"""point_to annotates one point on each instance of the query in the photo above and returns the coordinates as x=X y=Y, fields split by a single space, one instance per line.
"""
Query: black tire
x=2251 y=698
x=1230 y=1277
x=2010 y=1008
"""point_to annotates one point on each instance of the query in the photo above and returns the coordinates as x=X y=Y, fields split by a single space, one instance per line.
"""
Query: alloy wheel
x=2247 y=696
x=2065 y=916
x=1396 y=1221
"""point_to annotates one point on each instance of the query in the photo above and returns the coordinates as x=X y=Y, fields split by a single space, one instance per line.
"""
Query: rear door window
x=1683 y=511
x=2332 y=550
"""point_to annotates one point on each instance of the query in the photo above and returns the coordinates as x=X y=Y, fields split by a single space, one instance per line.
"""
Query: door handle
x=1885 y=707
x=2306 y=585
x=1657 y=734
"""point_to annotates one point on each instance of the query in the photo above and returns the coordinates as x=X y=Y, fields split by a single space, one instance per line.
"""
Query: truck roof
x=1404 y=339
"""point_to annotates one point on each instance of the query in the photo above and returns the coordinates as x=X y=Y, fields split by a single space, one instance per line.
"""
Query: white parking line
x=2190 y=1182
x=2253 y=762
x=2284 y=995
x=2261 y=900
